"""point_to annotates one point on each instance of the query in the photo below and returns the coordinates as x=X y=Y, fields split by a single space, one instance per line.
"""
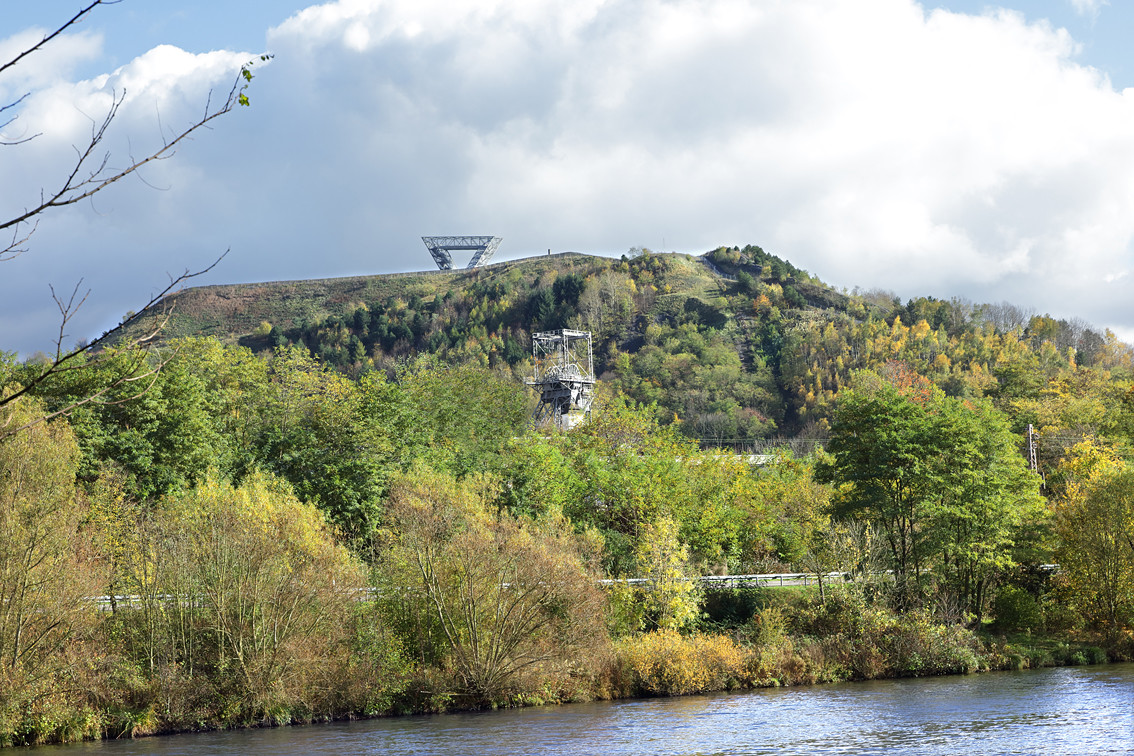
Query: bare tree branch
x=10 y=121
x=48 y=37
x=15 y=248
x=64 y=362
x=89 y=174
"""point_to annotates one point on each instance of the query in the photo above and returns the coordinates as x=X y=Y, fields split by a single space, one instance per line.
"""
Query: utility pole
x=1032 y=455
x=1032 y=448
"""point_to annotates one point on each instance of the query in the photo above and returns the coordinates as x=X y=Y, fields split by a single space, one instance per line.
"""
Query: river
x=1070 y=710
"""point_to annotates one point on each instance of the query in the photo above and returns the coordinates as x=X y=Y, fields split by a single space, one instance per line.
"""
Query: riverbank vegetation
x=257 y=539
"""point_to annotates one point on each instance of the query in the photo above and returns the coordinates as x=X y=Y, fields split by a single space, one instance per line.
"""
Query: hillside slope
x=736 y=344
x=232 y=312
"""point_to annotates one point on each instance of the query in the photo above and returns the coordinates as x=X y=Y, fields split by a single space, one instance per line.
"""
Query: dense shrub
x=506 y=603
x=1016 y=610
x=666 y=663
x=865 y=641
x=266 y=635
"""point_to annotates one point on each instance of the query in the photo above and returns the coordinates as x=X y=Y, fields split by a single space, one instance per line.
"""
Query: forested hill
x=736 y=344
x=278 y=491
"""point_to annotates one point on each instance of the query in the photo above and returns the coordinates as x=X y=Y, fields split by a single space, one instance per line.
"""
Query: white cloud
x=50 y=63
x=159 y=94
x=114 y=242
x=873 y=143
x=833 y=132
x=1089 y=7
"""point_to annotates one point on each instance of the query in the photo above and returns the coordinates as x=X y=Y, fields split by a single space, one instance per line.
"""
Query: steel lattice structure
x=482 y=247
x=564 y=376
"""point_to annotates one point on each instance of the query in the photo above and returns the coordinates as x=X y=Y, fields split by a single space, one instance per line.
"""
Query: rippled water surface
x=1079 y=710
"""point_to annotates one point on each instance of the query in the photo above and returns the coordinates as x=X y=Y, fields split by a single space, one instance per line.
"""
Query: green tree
x=885 y=459
x=798 y=511
x=986 y=499
x=540 y=311
x=723 y=518
x=167 y=427
x=633 y=471
x=314 y=430
x=538 y=477
x=460 y=417
x=941 y=477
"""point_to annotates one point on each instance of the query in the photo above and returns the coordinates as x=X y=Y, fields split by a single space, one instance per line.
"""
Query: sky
x=951 y=149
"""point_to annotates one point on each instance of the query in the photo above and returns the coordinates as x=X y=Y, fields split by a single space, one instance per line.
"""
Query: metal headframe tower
x=482 y=247
x=564 y=376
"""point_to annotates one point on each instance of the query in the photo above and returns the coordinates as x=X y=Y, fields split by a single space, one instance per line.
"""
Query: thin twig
x=48 y=37
x=65 y=362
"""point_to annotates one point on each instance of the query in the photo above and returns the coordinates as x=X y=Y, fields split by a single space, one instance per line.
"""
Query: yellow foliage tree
x=671 y=600
x=1095 y=524
x=43 y=583
x=502 y=596
x=275 y=586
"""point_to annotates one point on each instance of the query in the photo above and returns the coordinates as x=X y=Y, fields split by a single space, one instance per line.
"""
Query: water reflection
x=1059 y=711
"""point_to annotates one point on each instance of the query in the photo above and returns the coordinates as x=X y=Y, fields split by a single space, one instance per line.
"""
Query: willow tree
x=273 y=589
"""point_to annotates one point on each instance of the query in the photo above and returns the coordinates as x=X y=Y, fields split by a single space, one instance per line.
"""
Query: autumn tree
x=1095 y=523
x=44 y=585
x=502 y=596
x=275 y=588
x=670 y=600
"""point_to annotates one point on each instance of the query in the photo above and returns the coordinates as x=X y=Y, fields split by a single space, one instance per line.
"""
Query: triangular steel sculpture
x=482 y=247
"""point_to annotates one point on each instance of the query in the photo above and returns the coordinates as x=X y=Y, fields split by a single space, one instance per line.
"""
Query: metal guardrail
x=131 y=601
x=779 y=579
x=776 y=579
